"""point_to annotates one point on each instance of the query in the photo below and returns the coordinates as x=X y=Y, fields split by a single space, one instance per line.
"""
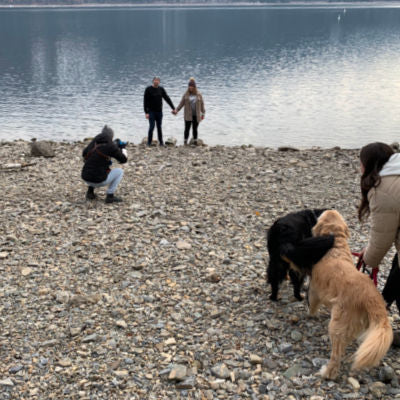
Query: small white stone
x=181 y=245
x=354 y=383
x=121 y=373
x=121 y=324
x=255 y=359
x=169 y=342
x=26 y=271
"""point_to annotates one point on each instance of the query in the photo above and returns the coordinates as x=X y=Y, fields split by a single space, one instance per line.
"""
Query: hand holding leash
x=363 y=267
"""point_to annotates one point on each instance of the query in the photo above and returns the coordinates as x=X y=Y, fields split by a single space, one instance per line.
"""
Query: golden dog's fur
x=357 y=308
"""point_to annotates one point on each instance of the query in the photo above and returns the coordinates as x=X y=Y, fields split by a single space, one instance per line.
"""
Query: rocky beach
x=164 y=295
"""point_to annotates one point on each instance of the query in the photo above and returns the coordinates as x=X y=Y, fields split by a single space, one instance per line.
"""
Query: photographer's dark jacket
x=98 y=156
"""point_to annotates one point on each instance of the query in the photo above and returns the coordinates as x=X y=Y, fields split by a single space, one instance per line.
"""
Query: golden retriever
x=357 y=308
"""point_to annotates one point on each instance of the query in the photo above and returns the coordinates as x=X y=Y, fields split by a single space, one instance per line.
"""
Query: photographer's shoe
x=90 y=193
x=110 y=198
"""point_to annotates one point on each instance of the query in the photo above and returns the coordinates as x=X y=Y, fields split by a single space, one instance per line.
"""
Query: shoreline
x=282 y=148
x=289 y=4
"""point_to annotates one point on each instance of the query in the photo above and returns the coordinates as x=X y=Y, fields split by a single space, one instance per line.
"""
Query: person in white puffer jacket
x=380 y=191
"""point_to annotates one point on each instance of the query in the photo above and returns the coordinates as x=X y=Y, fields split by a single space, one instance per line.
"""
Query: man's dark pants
x=155 y=117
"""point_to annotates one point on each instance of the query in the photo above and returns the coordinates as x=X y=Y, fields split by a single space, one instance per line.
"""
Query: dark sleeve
x=88 y=148
x=167 y=99
x=146 y=101
x=115 y=152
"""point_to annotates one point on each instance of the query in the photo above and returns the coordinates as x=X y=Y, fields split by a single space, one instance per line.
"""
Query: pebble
x=26 y=271
x=178 y=372
x=255 y=359
x=292 y=371
x=64 y=363
x=182 y=245
x=386 y=374
x=296 y=336
x=354 y=383
x=188 y=383
x=221 y=371
x=285 y=347
x=6 y=382
x=377 y=389
x=121 y=324
x=15 y=369
x=121 y=373
x=90 y=338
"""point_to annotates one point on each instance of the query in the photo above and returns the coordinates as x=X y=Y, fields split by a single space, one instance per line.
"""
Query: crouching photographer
x=96 y=171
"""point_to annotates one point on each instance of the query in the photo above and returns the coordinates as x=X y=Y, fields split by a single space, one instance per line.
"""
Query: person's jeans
x=155 y=117
x=112 y=181
x=187 y=128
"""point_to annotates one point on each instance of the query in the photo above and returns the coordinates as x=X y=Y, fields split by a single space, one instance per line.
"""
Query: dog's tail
x=376 y=340
x=308 y=252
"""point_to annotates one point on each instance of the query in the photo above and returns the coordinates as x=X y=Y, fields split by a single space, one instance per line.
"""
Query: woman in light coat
x=194 y=110
x=380 y=199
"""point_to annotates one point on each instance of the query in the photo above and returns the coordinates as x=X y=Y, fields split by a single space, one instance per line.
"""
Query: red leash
x=363 y=267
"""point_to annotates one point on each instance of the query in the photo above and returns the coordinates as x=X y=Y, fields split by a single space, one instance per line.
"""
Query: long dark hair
x=372 y=156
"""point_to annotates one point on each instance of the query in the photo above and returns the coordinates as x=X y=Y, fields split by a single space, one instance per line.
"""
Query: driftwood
x=16 y=166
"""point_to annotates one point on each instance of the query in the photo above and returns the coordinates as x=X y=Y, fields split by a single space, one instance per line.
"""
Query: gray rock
x=90 y=338
x=41 y=149
x=296 y=336
x=378 y=389
x=221 y=371
x=292 y=371
x=287 y=148
x=285 y=347
x=6 y=382
x=188 y=383
x=170 y=142
x=177 y=373
x=15 y=369
x=386 y=374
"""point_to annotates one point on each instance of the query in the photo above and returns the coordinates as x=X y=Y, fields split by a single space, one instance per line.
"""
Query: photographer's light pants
x=112 y=181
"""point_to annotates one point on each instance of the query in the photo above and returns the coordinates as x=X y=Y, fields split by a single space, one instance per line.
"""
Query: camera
x=120 y=143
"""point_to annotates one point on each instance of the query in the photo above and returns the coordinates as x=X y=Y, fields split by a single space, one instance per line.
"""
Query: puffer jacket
x=384 y=203
x=98 y=156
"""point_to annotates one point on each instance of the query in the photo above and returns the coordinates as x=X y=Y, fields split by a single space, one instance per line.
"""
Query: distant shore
x=355 y=4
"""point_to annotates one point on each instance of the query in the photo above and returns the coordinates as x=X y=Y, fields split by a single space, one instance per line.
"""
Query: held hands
x=174 y=112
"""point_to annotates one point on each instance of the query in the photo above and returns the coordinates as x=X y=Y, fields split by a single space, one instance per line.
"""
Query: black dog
x=290 y=239
x=391 y=290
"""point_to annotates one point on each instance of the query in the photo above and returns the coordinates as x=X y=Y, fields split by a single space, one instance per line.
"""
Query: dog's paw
x=328 y=372
x=273 y=298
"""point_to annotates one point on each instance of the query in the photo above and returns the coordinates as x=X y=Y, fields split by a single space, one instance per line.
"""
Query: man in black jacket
x=96 y=172
x=153 y=96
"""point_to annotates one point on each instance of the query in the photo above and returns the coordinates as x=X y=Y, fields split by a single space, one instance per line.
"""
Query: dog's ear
x=347 y=232
x=316 y=230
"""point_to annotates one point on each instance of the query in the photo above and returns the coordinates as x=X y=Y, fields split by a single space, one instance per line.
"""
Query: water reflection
x=268 y=76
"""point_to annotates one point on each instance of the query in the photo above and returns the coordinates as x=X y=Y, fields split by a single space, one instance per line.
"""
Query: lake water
x=270 y=76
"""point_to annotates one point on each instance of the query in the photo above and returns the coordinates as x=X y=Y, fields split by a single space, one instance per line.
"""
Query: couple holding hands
x=193 y=104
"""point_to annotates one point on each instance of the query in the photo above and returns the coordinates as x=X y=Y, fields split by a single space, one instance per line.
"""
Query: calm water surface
x=269 y=76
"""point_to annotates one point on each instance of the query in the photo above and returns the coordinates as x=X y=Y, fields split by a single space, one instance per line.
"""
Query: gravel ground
x=164 y=296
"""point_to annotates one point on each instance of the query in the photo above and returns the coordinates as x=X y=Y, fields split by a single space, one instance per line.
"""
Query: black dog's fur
x=291 y=237
x=391 y=291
